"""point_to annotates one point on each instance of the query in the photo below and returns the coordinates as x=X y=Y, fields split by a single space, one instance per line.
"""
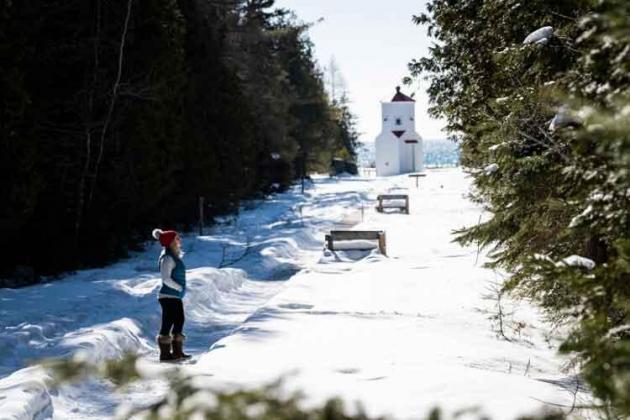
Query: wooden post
x=303 y=170
x=201 y=201
x=382 y=243
x=417 y=175
x=407 y=204
x=329 y=242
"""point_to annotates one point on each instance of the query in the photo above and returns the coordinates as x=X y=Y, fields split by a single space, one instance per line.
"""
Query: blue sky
x=372 y=42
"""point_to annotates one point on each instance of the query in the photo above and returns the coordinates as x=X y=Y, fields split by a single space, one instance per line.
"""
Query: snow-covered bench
x=393 y=201
x=359 y=240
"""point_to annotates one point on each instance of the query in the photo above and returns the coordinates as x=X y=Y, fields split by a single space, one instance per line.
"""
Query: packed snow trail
x=403 y=333
x=106 y=312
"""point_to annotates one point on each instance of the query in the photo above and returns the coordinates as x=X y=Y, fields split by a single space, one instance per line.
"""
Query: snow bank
x=24 y=395
x=106 y=341
x=208 y=291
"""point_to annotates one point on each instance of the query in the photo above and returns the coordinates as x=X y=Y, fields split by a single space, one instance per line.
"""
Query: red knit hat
x=166 y=237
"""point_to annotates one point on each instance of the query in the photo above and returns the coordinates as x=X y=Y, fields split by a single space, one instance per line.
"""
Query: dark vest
x=178 y=275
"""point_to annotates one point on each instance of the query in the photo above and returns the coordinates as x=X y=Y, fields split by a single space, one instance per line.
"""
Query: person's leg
x=164 y=339
x=178 y=337
x=178 y=316
x=168 y=315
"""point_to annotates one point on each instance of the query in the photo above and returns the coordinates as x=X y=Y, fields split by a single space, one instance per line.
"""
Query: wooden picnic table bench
x=360 y=240
x=393 y=201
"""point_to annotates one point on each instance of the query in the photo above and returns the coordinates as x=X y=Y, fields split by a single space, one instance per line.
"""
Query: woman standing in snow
x=173 y=273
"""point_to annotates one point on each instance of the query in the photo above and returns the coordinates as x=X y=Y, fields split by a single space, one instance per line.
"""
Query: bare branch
x=112 y=103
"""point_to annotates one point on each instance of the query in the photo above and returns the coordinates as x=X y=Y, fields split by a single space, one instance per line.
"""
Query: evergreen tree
x=537 y=93
x=117 y=116
x=347 y=126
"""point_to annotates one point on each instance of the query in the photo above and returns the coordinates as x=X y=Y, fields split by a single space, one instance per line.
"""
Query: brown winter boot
x=178 y=347
x=164 y=342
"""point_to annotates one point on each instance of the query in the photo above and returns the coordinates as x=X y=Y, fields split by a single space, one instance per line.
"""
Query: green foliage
x=116 y=116
x=553 y=191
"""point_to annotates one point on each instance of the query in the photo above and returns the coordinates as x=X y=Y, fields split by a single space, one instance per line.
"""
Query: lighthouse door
x=413 y=158
x=411 y=155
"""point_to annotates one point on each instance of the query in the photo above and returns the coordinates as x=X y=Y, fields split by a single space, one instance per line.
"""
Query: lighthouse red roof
x=401 y=97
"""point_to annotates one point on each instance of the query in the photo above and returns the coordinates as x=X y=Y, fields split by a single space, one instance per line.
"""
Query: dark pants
x=172 y=316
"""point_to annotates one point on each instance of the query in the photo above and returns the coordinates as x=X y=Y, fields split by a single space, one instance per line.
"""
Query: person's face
x=177 y=244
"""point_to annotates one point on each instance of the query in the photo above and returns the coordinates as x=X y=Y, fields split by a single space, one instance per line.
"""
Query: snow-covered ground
x=401 y=333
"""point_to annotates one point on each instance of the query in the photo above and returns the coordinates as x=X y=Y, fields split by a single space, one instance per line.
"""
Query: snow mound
x=25 y=395
x=207 y=288
x=106 y=341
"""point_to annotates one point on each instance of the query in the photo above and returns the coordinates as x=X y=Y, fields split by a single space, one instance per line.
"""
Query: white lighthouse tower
x=399 y=147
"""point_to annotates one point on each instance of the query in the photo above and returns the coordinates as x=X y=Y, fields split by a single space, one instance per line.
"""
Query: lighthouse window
x=398 y=121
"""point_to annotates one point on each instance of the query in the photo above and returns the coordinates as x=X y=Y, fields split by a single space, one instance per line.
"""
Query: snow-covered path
x=107 y=312
x=401 y=333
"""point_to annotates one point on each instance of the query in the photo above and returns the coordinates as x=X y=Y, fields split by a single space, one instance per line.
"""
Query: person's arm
x=166 y=268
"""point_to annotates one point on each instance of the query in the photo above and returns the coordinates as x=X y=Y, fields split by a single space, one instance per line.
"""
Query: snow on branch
x=562 y=120
x=490 y=169
x=540 y=36
x=578 y=219
x=496 y=147
x=577 y=261
x=613 y=332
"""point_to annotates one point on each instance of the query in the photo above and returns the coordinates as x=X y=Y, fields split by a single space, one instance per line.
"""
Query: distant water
x=437 y=153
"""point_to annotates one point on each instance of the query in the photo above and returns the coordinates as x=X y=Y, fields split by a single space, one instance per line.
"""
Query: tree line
x=116 y=115
x=538 y=95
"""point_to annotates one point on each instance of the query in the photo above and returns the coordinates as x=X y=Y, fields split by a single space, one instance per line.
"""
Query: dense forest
x=538 y=95
x=117 y=115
